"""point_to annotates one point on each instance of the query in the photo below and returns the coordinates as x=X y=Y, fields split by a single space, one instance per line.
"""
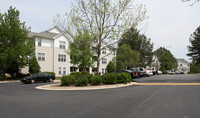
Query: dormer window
x=104 y=51
x=39 y=42
x=62 y=44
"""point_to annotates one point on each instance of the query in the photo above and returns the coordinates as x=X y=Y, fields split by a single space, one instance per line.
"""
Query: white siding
x=54 y=30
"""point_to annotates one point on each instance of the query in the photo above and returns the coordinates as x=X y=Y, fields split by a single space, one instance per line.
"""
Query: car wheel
x=50 y=80
x=32 y=81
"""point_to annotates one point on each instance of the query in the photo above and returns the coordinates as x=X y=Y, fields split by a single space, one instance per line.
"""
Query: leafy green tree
x=80 y=51
x=34 y=67
x=194 y=48
x=139 y=43
x=110 y=67
x=15 y=45
x=195 y=68
x=128 y=56
x=167 y=60
x=119 y=65
x=106 y=19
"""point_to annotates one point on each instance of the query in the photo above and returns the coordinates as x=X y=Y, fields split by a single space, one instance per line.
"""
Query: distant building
x=51 y=48
x=183 y=65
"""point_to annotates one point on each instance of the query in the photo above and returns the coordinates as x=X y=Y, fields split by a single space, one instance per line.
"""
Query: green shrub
x=68 y=80
x=96 y=80
x=52 y=73
x=81 y=81
x=123 y=78
x=76 y=73
x=109 y=78
x=120 y=65
x=195 y=68
x=34 y=66
x=165 y=72
x=87 y=75
x=110 y=67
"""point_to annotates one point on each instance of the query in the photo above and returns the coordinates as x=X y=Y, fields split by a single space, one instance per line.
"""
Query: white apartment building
x=51 y=48
x=183 y=65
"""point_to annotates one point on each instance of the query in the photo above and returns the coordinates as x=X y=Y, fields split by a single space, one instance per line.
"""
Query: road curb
x=72 y=88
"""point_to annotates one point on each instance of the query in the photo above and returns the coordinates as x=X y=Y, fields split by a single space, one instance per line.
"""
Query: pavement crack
x=145 y=102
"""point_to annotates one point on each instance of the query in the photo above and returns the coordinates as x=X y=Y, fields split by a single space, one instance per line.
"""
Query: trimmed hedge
x=68 y=80
x=96 y=80
x=124 y=78
x=83 y=81
x=109 y=78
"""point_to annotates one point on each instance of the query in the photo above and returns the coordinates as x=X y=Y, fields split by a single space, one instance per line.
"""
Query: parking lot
x=137 y=101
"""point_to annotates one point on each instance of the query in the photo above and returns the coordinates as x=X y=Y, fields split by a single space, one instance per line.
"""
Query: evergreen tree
x=119 y=65
x=34 y=67
x=110 y=67
x=15 y=45
x=128 y=56
x=167 y=60
x=139 y=43
x=194 y=49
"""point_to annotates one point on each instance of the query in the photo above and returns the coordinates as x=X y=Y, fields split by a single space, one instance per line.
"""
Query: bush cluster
x=124 y=78
x=109 y=78
x=96 y=80
x=84 y=78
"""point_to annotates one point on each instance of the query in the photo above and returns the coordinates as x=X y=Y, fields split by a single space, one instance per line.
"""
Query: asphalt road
x=24 y=101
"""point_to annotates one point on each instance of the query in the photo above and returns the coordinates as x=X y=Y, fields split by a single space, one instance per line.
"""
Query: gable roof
x=48 y=35
x=183 y=61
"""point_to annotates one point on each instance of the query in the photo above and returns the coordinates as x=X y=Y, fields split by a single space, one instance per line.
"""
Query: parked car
x=153 y=69
x=170 y=72
x=139 y=72
x=44 y=77
x=159 y=72
x=148 y=72
x=132 y=73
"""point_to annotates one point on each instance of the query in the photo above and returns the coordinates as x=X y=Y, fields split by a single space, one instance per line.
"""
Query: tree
x=80 y=51
x=104 y=19
x=167 y=60
x=139 y=43
x=194 y=48
x=119 y=65
x=15 y=45
x=110 y=67
x=195 y=1
x=128 y=56
x=34 y=67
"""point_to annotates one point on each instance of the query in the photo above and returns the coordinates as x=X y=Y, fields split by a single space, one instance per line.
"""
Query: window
x=39 y=42
x=103 y=71
x=104 y=51
x=61 y=58
x=41 y=56
x=64 y=70
x=59 y=70
x=181 y=65
x=62 y=44
x=104 y=61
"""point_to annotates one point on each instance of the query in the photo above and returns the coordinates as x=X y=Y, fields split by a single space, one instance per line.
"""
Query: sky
x=170 y=22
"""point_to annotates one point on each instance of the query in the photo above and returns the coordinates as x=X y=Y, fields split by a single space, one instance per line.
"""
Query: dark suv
x=133 y=73
x=44 y=77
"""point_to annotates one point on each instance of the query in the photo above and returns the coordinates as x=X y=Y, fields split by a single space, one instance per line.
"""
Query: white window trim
x=104 y=60
x=41 y=57
x=62 y=44
x=60 y=70
x=62 y=59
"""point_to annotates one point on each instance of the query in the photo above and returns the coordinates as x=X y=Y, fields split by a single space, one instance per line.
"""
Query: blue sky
x=170 y=22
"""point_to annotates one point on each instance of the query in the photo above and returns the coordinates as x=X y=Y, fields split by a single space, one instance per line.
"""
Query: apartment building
x=51 y=48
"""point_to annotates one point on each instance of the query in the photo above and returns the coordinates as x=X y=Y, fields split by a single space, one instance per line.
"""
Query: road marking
x=167 y=83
